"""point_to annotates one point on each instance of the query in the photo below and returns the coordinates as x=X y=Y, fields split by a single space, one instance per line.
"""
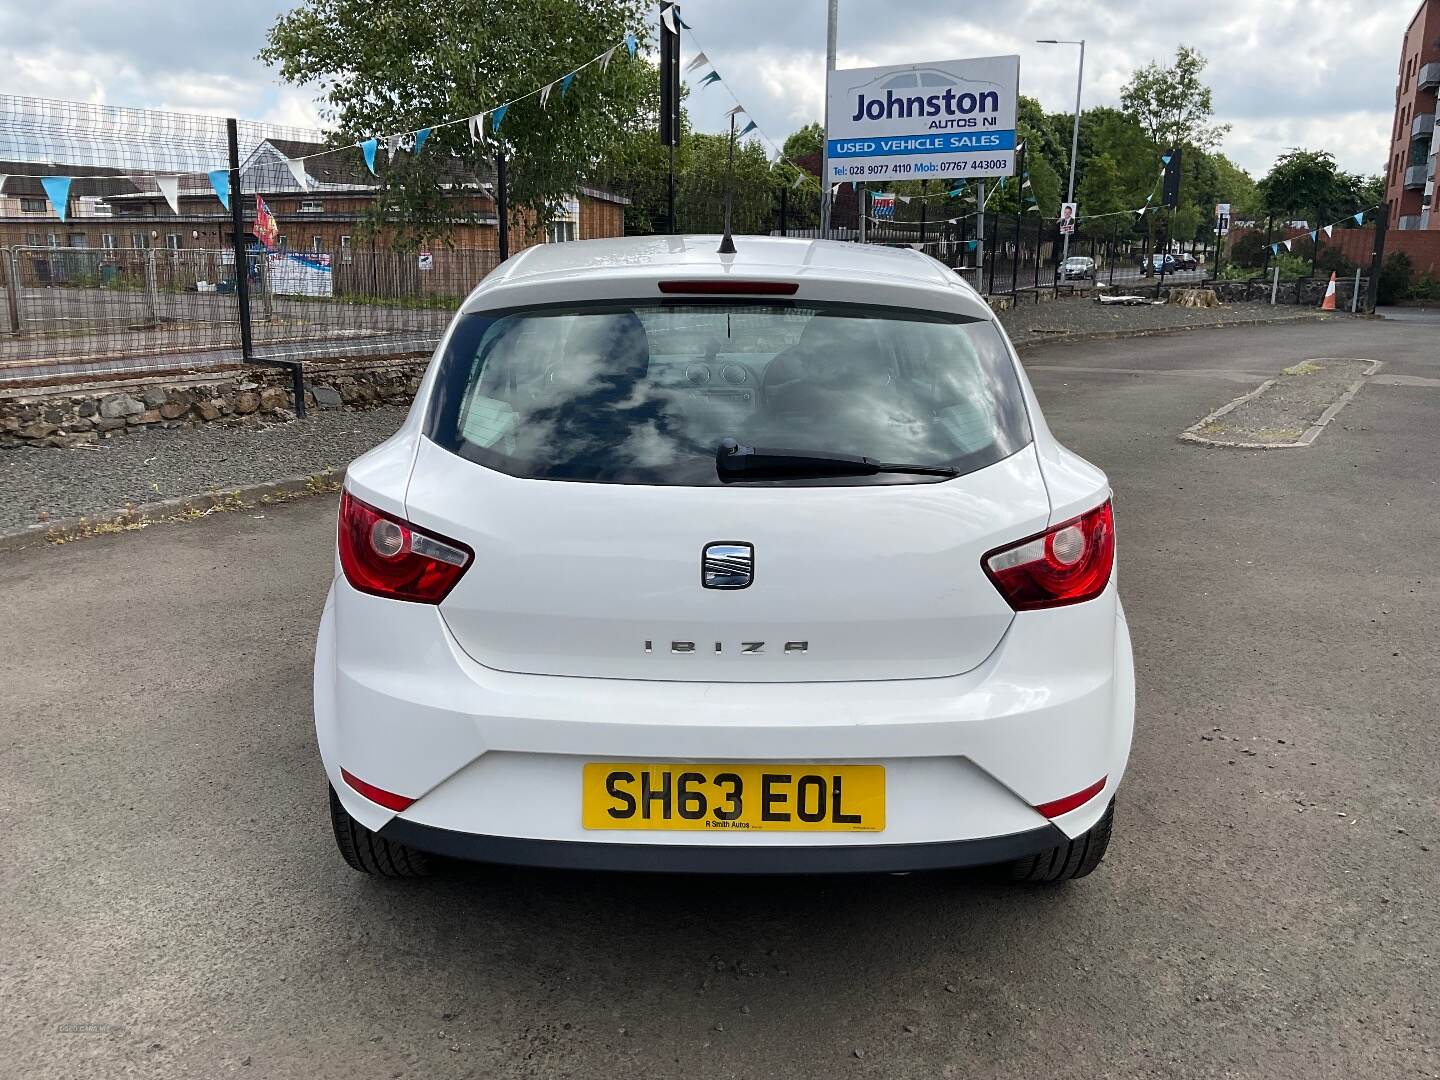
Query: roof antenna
x=727 y=242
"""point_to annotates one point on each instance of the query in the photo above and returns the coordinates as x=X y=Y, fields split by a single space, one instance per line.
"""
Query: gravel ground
x=1293 y=402
x=1030 y=323
x=46 y=484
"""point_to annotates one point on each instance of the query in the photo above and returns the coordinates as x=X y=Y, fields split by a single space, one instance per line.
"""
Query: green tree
x=1172 y=104
x=1306 y=184
x=385 y=66
x=809 y=139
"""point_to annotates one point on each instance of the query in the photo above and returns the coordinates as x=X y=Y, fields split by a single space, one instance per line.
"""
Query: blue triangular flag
x=1360 y=218
x=420 y=137
x=631 y=44
x=1312 y=234
x=714 y=76
x=368 y=148
x=1165 y=158
x=497 y=116
x=957 y=190
x=565 y=84
x=1274 y=249
x=751 y=126
x=220 y=183
x=57 y=190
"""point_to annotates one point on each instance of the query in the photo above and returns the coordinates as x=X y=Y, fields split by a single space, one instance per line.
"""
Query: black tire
x=371 y=853
x=1068 y=861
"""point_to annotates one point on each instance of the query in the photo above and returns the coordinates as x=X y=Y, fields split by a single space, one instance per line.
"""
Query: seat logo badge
x=727 y=564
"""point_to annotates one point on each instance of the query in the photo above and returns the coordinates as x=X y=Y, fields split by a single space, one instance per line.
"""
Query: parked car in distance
x=1186 y=261
x=1077 y=266
x=582 y=617
x=1162 y=264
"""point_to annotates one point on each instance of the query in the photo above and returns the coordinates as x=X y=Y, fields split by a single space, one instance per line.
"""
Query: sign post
x=1222 y=229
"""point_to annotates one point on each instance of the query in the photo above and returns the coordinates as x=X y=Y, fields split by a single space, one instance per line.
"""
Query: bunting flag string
x=1314 y=234
x=700 y=60
x=498 y=115
x=170 y=187
x=297 y=170
x=220 y=184
x=57 y=190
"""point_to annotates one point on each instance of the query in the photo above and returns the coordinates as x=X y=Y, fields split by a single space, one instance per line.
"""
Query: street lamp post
x=1075 y=131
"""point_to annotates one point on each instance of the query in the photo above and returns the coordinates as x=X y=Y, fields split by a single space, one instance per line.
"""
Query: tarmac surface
x=174 y=905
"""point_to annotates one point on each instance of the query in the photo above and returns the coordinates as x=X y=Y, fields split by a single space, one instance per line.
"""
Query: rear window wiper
x=736 y=461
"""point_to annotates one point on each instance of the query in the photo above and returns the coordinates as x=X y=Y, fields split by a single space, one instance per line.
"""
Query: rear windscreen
x=644 y=392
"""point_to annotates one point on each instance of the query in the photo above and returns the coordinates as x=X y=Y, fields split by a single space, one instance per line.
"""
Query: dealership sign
x=951 y=119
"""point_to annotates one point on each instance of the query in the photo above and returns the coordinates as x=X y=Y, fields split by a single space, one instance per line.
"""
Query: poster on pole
x=1068 y=213
x=948 y=119
x=1222 y=219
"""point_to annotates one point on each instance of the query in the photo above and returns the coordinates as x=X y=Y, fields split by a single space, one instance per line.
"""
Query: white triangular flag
x=903 y=198
x=170 y=187
x=736 y=111
x=700 y=61
x=392 y=144
x=668 y=18
x=1329 y=229
x=297 y=170
x=3 y=178
x=605 y=60
x=477 y=127
x=1287 y=245
x=545 y=94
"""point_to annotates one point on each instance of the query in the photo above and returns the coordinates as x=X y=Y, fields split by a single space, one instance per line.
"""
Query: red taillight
x=1054 y=809
x=379 y=796
x=387 y=556
x=1066 y=564
x=731 y=287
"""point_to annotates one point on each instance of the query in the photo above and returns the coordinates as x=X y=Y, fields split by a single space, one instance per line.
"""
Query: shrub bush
x=1395 y=278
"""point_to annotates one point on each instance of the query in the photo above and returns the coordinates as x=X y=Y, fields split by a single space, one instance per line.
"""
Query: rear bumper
x=709 y=859
x=493 y=760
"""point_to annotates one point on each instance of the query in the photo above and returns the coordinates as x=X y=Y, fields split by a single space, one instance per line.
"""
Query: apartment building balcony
x=1423 y=126
x=1415 y=177
x=1429 y=76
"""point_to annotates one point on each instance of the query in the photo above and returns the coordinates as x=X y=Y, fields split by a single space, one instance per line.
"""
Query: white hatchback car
x=750 y=563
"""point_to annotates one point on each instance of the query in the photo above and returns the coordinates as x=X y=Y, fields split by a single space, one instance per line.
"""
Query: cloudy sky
x=1314 y=73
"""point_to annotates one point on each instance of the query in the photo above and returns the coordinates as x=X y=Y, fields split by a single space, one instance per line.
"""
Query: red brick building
x=1415 y=135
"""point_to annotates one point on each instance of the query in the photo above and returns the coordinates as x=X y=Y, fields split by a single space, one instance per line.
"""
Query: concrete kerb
x=1162 y=331
x=1192 y=433
x=188 y=507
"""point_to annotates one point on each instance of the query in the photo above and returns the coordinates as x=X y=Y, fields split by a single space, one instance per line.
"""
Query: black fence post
x=924 y=208
x=784 y=193
x=1377 y=259
x=237 y=236
x=242 y=275
x=502 y=205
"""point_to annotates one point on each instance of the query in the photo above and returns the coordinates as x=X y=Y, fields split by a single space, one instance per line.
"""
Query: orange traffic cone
x=1328 y=304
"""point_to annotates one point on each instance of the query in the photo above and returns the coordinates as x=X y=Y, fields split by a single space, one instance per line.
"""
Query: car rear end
x=562 y=633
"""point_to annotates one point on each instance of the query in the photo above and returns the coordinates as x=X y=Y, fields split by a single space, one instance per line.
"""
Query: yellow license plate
x=751 y=798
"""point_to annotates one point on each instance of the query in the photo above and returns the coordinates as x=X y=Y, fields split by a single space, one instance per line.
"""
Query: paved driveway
x=173 y=905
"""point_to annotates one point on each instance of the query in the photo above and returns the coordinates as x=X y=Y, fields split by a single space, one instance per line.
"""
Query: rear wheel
x=371 y=853
x=1067 y=861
